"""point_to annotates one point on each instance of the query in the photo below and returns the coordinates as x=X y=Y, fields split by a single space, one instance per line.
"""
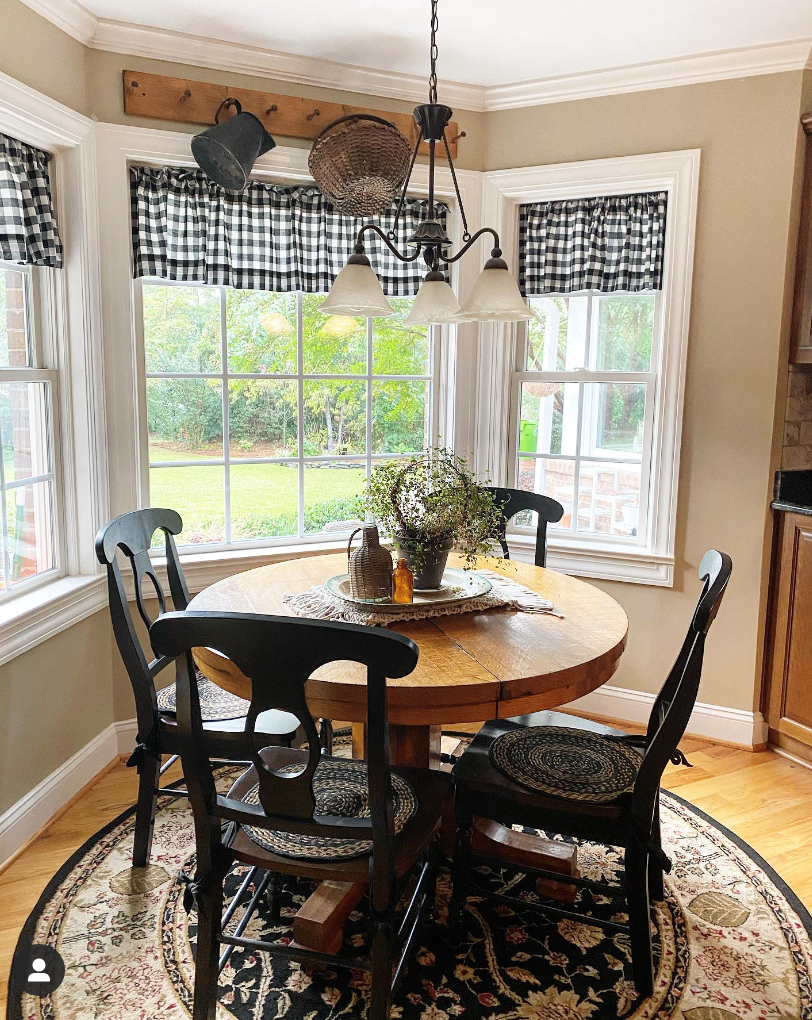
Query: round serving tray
x=458 y=586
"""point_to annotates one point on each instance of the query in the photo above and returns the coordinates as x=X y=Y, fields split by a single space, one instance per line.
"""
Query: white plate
x=458 y=586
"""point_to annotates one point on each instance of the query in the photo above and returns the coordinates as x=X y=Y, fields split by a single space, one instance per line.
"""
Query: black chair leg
x=326 y=735
x=462 y=859
x=274 y=896
x=637 y=886
x=207 y=970
x=656 y=888
x=381 y=995
x=148 y=777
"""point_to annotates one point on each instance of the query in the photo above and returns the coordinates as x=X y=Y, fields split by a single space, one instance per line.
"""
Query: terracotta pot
x=434 y=561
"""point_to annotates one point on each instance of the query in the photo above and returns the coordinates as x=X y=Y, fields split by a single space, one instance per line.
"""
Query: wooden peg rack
x=196 y=102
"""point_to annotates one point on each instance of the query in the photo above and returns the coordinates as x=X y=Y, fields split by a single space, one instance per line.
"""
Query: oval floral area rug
x=733 y=942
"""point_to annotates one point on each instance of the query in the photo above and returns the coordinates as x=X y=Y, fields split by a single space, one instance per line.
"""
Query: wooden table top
x=472 y=666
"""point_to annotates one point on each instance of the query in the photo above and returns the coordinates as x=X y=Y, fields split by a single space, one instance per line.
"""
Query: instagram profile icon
x=37 y=970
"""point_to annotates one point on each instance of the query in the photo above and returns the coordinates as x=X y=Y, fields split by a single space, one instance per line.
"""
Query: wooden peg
x=186 y=95
x=315 y=113
x=271 y=109
x=133 y=84
x=456 y=138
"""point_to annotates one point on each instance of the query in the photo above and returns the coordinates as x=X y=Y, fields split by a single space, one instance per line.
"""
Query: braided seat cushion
x=216 y=705
x=340 y=786
x=561 y=761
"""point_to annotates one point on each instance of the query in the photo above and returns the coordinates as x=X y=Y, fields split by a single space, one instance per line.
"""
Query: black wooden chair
x=514 y=501
x=569 y=776
x=301 y=812
x=155 y=710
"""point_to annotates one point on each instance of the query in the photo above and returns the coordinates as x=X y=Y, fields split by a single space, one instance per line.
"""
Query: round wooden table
x=472 y=666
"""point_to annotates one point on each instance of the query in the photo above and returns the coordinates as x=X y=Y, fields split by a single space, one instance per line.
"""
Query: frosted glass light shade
x=495 y=297
x=357 y=291
x=435 y=304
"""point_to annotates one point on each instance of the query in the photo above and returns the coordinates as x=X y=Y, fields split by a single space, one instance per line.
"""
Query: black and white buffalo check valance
x=605 y=244
x=28 y=234
x=267 y=238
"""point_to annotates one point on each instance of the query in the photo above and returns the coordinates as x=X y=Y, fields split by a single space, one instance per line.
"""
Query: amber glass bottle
x=403 y=584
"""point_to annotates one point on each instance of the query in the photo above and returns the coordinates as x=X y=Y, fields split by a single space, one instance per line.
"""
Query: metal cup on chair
x=227 y=151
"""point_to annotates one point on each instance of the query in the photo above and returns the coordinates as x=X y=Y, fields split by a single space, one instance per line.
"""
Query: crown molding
x=177 y=47
x=794 y=55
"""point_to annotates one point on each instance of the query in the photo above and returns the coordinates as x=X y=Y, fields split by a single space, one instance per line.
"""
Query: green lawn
x=264 y=497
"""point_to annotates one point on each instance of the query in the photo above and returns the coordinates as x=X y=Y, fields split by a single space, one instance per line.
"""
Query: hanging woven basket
x=542 y=389
x=360 y=163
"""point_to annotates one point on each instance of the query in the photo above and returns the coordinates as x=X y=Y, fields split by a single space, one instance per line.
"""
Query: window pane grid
x=27 y=523
x=330 y=412
x=584 y=390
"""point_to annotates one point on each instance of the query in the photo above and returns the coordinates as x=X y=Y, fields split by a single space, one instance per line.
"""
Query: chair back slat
x=674 y=704
x=132 y=534
x=514 y=501
x=279 y=655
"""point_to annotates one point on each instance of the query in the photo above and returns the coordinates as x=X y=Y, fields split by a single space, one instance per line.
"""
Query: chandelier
x=495 y=296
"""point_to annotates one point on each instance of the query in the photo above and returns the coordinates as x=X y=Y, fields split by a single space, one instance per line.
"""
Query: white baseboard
x=37 y=807
x=126 y=732
x=713 y=722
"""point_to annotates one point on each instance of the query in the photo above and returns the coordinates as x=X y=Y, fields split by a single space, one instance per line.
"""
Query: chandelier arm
x=359 y=243
x=495 y=253
x=466 y=233
x=402 y=199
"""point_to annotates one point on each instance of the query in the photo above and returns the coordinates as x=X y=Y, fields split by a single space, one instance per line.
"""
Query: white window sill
x=35 y=616
x=605 y=563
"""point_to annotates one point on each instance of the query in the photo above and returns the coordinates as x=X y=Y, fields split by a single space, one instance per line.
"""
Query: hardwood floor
x=762 y=797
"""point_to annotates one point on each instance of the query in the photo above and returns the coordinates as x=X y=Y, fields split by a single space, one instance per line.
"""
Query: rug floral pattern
x=732 y=943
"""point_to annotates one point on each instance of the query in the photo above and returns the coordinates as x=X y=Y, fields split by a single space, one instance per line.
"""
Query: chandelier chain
x=433 y=53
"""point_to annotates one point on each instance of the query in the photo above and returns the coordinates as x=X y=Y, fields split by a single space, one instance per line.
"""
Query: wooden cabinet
x=787 y=702
x=801 y=341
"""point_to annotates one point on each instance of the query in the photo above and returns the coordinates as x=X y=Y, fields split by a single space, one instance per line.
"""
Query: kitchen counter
x=792 y=492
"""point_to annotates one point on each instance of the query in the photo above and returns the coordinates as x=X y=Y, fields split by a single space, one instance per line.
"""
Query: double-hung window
x=584 y=396
x=261 y=418
x=27 y=470
x=589 y=404
x=30 y=251
x=264 y=417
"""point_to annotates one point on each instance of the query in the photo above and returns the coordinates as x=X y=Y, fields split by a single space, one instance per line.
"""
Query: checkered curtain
x=28 y=234
x=605 y=244
x=267 y=238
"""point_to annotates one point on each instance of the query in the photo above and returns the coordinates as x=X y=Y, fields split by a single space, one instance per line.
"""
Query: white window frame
x=299 y=377
x=73 y=306
x=676 y=173
x=40 y=326
x=120 y=146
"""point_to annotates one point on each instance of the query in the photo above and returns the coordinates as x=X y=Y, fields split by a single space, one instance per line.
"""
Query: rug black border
x=14 y=1003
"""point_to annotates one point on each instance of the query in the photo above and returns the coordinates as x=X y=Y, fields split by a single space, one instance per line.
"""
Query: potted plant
x=429 y=504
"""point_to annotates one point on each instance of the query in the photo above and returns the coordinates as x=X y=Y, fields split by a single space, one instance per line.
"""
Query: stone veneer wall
x=797 y=451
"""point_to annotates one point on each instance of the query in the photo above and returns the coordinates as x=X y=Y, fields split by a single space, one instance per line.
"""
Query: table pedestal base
x=319 y=922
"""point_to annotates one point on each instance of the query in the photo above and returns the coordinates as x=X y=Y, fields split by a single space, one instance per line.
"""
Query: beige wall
x=53 y=700
x=37 y=53
x=748 y=132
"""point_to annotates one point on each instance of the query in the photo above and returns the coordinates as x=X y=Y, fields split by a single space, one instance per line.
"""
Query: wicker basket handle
x=354 y=116
x=349 y=544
